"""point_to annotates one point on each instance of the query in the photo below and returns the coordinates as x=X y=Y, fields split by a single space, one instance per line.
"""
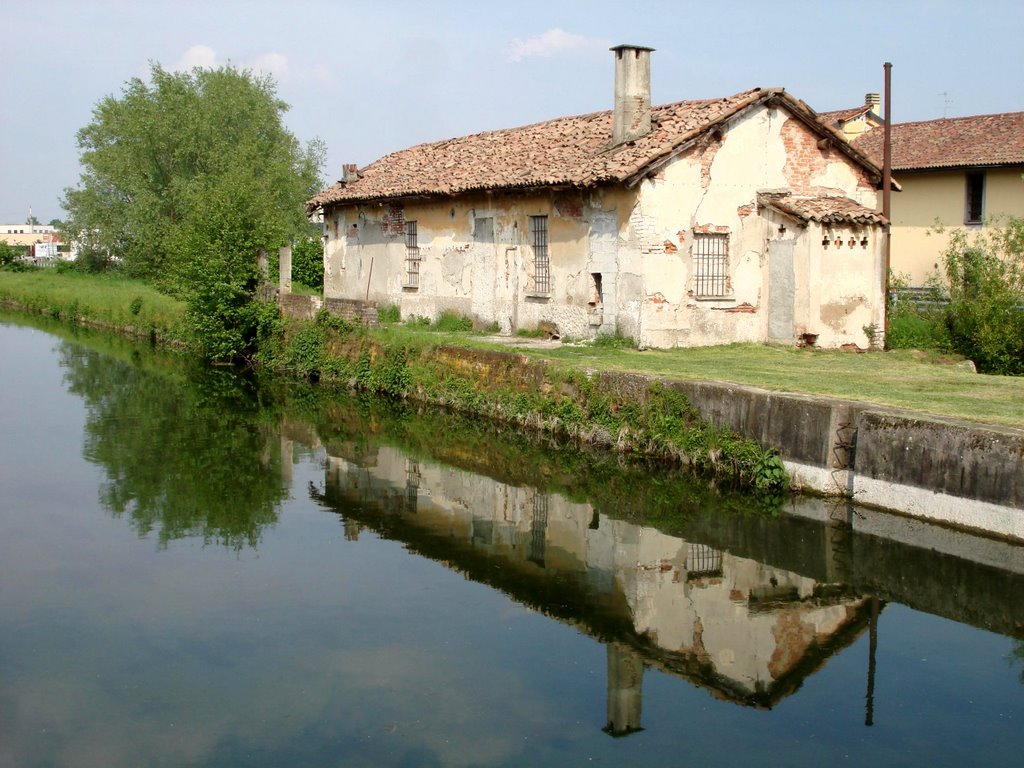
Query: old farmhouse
x=743 y=218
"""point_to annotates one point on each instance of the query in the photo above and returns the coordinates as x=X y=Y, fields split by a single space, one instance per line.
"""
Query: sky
x=370 y=78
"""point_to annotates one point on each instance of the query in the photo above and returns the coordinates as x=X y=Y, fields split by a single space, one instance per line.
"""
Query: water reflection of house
x=746 y=631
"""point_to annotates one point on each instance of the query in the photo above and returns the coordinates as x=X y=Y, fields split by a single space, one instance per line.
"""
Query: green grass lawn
x=104 y=298
x=924 y=381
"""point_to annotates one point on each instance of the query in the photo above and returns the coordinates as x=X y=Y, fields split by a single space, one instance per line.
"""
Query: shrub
x=985 y=316
x=451 y=321
x=389 y=314
x=308 y=262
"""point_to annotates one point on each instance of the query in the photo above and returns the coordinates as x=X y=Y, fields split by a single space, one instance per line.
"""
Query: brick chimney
x=349 y=173
x=632 y=115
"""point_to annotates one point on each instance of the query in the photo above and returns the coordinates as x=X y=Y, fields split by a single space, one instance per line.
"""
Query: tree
x=985 y=280
x=184 y=180
x=32 y=221
x=308 y=260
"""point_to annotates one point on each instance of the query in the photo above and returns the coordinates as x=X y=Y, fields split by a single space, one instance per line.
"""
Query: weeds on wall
x=655 y=420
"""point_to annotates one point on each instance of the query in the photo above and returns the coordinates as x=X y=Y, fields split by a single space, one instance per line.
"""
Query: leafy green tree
x=985 y=280
x=32 y=221
x=308 y=261
x=184 y=180
x=11 y=257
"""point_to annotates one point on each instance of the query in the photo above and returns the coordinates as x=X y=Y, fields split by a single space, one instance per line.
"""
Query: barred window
x=541 y=263
x=711 y=264
x=412 y=256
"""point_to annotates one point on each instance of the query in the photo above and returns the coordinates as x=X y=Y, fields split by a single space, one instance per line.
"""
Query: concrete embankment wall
x=944 y=470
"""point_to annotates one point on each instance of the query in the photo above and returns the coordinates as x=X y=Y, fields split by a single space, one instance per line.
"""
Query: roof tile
x=571 y=151
x=951 y=142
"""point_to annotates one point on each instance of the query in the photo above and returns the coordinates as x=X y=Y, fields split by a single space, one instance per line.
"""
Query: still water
x=196 y=570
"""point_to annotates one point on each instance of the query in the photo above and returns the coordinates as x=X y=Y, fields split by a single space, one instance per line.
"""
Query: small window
x=541 y=263
x=711 y=265
x=412 y=256
x=975 y=207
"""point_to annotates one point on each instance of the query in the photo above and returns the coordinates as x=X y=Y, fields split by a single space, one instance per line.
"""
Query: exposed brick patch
x=707 y=157
x=364 y=312
x=743 y=309
x=805 y=160
x=745 y=210
x=710 y=229
x=670 y=247
x=394 y=222
x=569 y=206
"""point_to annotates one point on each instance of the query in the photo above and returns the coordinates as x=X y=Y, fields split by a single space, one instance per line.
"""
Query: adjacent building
x=954 y=173
x=742 y=218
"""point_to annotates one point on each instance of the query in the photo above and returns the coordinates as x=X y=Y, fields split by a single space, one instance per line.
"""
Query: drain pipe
x=887 y=194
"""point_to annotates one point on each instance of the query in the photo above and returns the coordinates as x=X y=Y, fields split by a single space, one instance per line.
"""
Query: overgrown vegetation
x=985 y=280
x=308 y=261
x=10 y=258
x=976 y=309
x=655 y=421
x=185 y=179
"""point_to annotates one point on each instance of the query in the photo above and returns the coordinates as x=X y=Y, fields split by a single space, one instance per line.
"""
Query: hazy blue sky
x=372 y=77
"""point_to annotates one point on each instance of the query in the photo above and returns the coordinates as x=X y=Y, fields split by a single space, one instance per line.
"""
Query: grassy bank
x=907 y=378
x=126 y=306
x=912 y=379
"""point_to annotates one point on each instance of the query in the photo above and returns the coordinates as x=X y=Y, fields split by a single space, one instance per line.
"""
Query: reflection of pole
x=869 y=715
x=625 y=690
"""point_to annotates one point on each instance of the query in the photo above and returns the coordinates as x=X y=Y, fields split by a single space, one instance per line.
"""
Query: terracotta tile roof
x=844 y=115
x=956 y=142
x=825 y=210
x=568 y=151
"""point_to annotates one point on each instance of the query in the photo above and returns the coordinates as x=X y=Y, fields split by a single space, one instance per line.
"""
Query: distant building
x=40 y=241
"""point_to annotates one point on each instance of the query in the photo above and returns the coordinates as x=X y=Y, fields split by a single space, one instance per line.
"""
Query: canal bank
x=945 y=470
x=953 y=472
x=949 y=471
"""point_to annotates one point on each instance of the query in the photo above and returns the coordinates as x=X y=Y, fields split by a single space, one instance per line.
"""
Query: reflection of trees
x=1017 y=657
x=185 y=454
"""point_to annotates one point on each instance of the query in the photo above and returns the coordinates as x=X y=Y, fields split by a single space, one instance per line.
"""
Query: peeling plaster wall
x=493 y=281
x=713 y=188
x=639 y=242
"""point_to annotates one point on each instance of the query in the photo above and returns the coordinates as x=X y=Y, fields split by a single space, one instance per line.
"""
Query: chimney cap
x=629 y=46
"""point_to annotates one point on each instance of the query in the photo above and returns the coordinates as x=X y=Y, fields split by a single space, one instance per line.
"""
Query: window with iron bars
x=412 y=256
x=541 y=263
x=711 y=265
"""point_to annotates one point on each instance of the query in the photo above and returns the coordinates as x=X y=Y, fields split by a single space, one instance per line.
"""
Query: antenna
x=946 y=101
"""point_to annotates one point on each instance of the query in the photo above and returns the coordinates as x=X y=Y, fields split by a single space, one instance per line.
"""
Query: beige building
x=28 y=234
x=954 y=173
x=742 y=218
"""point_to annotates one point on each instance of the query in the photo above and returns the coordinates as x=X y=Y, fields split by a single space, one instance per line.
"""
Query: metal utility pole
x=886 y=192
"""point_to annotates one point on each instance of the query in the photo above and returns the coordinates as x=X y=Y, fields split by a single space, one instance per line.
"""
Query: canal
x=201 y=569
